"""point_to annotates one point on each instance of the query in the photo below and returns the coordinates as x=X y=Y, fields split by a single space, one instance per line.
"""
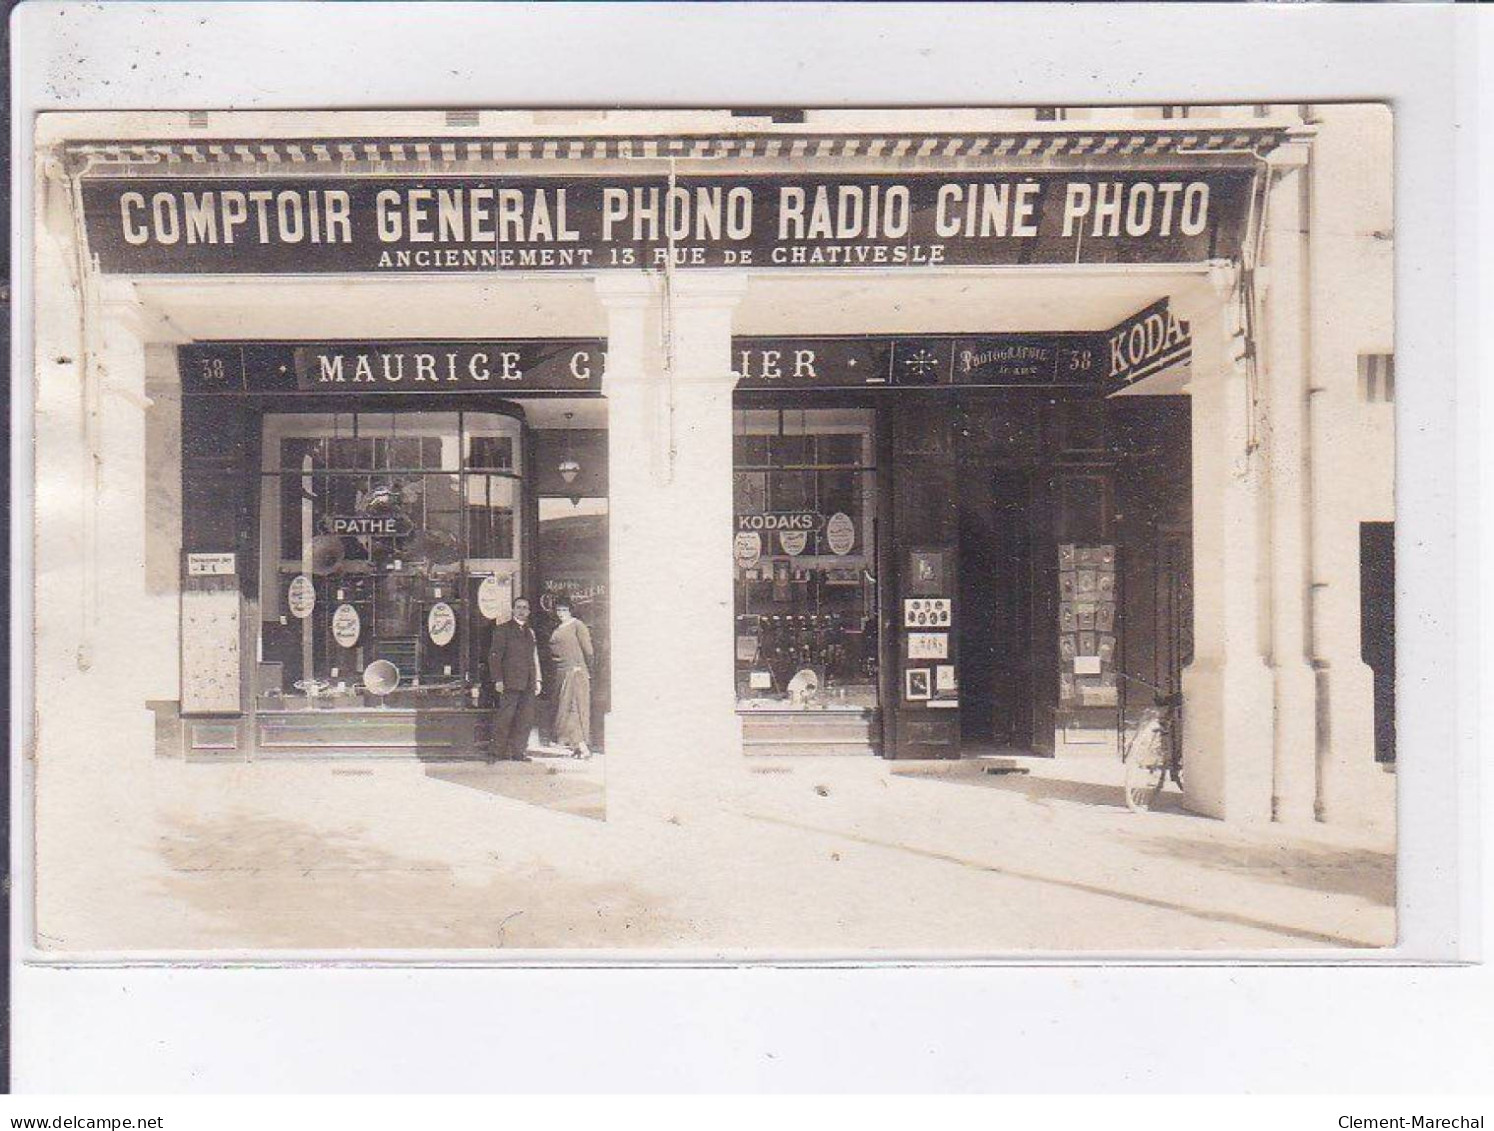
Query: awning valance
x=1052 y=149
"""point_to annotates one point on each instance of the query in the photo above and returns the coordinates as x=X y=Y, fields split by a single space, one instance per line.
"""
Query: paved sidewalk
x=823 y=858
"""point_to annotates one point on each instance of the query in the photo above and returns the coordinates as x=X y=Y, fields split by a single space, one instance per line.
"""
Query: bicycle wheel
x=1146 y=772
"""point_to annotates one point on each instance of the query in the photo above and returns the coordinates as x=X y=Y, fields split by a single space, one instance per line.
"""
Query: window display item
x=928 y=646
x=747 y=549
x=300 y=598
x=1067 y=620
x=381 y=678
x=1086 y=641
x=918 y=685
x=495 y=598
x=840 y=534
x=440 y=624
x=926 y=611
x=804 y=685
x=347 y=626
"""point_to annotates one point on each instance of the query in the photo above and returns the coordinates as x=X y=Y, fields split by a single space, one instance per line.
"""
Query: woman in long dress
x=570 y=645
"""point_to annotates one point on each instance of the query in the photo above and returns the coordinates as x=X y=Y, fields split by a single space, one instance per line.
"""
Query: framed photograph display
x=918 y=684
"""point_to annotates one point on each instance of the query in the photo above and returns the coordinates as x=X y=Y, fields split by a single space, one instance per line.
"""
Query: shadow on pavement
x=1036 y=788
x=1361 y=872
x=558 y=784
x=265 y=882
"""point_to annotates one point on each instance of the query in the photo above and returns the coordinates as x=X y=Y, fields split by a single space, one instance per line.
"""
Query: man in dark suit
x=514 y=667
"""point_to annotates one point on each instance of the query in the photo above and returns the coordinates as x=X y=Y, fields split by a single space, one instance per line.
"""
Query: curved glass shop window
x=806 y=601
x=383 y=536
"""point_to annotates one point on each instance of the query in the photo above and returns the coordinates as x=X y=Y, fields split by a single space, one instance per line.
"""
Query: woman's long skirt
x=573 y=709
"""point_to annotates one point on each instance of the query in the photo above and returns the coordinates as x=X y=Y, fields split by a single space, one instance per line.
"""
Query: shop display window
x=805 y=520
x=382 y=536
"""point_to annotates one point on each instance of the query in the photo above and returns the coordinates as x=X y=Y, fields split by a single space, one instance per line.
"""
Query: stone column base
x=1227 y=739
x=671 y=761
x=1353 y=789
x=1295 y=774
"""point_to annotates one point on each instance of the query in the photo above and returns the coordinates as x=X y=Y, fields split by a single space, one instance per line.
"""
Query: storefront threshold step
x=403 y=747
x=832 y=715
x=828 y=730
x=808 y=749
x=365 y=754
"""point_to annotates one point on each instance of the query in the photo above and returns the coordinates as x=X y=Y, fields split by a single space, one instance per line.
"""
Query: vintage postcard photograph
x=795 y=534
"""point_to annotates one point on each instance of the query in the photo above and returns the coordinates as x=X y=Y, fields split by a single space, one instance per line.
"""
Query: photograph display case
x=1086 y=626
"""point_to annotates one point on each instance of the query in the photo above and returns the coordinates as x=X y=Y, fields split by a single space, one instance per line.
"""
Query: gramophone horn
x=381 y=677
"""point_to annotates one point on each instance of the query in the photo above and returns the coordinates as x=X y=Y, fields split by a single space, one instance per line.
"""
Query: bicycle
x=1153 y=753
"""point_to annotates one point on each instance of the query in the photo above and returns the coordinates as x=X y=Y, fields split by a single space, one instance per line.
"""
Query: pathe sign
x=371 y=526
x=383 y=225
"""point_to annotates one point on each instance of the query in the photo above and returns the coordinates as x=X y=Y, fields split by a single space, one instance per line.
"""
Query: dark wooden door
x=996 y=688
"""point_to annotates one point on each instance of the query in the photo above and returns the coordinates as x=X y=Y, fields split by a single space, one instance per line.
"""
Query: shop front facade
x=352 y=504
x=929 y=550
x=842 y=437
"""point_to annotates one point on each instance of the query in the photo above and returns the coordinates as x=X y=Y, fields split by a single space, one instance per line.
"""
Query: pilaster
x=1227 y=689
x=1285 y=391
x=674 y=740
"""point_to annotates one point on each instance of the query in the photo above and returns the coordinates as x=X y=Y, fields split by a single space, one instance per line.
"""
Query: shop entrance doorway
x=996 y=536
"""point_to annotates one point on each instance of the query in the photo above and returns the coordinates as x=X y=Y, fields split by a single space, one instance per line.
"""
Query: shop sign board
x=347 y=625
x=1148 y=342
x=279 y=225
x=974 y=361
x=522 y=365
x=301 y=596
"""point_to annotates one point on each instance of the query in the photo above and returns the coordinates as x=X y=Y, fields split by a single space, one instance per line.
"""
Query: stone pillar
x=1352 y=787
x=674 y=739
x=1285 y=392
x=123 y=623
x=1227 y=689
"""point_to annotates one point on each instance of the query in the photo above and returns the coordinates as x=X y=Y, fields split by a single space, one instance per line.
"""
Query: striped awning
x=1050 y=149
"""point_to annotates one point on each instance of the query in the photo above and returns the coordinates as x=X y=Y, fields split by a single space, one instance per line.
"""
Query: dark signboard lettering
x=811 y=363
x=987 y=360
x=503 y=367
x=1027 y=359
x=1144 y=344
x=311 y=225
